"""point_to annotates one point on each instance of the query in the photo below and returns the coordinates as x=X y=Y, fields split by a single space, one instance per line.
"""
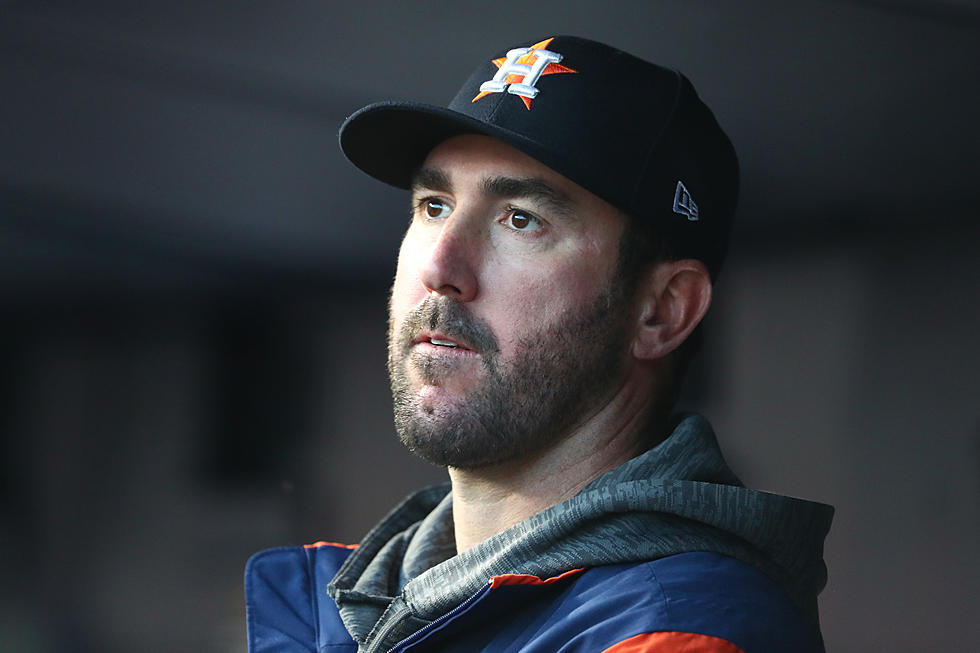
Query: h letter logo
x=520 y=70
x=529 y=73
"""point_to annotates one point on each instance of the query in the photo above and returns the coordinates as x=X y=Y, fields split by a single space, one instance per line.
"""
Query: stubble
x=521 y=406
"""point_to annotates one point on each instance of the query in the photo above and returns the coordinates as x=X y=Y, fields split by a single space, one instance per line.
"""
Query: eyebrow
x=531 y=188
x=431 y=179
x=518 y=187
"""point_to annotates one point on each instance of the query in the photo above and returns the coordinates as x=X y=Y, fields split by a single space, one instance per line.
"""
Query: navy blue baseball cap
x=631 y=132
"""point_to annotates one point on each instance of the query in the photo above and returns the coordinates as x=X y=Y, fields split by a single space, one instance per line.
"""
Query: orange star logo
x=527 y=59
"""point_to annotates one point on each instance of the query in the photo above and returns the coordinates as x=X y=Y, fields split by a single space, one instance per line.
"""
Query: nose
x=450 y=268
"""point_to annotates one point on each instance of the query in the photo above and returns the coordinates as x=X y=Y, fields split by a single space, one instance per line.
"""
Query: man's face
x=506 y=328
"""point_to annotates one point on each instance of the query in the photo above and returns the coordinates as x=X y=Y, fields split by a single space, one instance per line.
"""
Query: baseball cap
x=631 y=132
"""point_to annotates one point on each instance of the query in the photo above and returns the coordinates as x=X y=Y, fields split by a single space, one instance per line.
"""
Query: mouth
x=441 y=341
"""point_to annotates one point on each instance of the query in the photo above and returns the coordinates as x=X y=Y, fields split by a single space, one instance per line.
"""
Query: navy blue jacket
x=691 y=602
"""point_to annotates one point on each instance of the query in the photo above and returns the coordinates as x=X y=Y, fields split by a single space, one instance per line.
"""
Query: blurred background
x=193 y=287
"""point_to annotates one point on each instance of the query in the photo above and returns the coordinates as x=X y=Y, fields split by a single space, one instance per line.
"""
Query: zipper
x=393 y=622
x=421 y=632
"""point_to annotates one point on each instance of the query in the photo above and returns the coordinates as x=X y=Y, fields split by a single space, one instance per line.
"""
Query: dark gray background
x=193 y=284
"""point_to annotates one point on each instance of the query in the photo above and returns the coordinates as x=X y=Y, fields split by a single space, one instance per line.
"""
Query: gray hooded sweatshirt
x=676 y=498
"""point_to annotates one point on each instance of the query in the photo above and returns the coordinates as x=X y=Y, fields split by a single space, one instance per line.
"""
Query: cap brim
x=390 y=140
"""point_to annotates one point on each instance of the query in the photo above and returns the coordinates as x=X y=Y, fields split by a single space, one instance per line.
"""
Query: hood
x=678 y=497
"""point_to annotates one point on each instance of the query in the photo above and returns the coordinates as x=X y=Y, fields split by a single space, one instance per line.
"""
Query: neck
x=488 y=500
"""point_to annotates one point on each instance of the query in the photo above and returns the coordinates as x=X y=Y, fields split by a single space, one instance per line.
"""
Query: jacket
x=664 y=552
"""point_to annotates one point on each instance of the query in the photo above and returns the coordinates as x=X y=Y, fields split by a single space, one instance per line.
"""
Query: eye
x=435 y=209
x=520 y=220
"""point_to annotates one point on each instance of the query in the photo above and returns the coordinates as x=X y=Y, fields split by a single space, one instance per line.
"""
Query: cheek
x=531 y=304
x=410 y=259
x=406 y=291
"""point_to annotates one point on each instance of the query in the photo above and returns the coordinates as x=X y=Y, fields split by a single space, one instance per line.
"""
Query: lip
x=425 y=340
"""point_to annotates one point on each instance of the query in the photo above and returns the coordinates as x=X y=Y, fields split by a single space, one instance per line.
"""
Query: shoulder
x=692 y=602
x=286 y=607
x=702 y=601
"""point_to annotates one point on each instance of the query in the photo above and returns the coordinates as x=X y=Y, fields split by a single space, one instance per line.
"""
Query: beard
x=520 y=407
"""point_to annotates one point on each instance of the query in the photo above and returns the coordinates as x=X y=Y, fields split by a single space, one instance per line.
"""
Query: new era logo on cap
x=683 y=202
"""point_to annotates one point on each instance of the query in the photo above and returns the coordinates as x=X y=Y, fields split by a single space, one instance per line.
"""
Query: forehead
x=473 y=157
x=477 y=163
x=474 y=154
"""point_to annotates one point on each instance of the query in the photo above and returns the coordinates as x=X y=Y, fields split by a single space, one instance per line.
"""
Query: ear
x=672 y=298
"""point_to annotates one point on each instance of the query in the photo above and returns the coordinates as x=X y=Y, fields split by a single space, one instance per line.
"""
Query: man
x=570 y=210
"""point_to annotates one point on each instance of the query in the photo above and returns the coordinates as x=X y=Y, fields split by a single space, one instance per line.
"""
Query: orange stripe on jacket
x=528 y=579
x=673 y=642
x=317 y=545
